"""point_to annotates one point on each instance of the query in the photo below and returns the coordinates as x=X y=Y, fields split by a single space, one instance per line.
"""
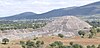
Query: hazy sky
x=11 y=7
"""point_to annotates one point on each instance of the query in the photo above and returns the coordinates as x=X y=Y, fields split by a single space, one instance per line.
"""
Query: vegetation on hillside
x=94 y=23
x=59 y=44
x=32 y=44
x=8 y=25
x=92 y=33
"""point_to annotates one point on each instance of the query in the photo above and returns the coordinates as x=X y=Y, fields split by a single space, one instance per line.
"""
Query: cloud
x=11 y=7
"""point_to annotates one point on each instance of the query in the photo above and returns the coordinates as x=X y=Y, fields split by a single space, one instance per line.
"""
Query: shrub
x=22 y=42
x=98 y=46
x=61 y=35
x=29 y=43
x=81 y=33
x=71 y=43
x=77 y=46
x=90 y=36
x=93 y=46
x=88 y=46
x=5 y=40
x=98 y=30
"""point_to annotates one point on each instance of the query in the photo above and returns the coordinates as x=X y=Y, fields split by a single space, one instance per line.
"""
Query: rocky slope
x=15 y=34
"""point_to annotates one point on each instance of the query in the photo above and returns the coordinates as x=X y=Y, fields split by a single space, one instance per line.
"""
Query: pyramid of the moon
x=66 y=24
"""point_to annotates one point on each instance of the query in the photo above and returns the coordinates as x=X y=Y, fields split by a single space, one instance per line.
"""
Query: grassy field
x=48 y=40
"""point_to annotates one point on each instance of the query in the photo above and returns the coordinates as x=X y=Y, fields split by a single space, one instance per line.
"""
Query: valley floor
x=48 y=40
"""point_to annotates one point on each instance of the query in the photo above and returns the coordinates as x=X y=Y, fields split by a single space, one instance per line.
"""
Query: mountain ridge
x=24 y=15
x=90 y=9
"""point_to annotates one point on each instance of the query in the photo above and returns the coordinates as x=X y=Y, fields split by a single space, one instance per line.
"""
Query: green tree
x=69 y=47
x=39 y=44
x=90 y=36
x=23 y=46
x=98 y=46
x=22 y=42
x=30 y=44
x=77 y=46
x=42 y=42
x=62 y=46
x=81 y=33
x=80 y=46
x=57 y=44
x=88 y=46
x=93 y=46
x=61 y=35
x=71 y=43
x=93 y=31
x=5 y=40
x=98 y=29
x=52 y=45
